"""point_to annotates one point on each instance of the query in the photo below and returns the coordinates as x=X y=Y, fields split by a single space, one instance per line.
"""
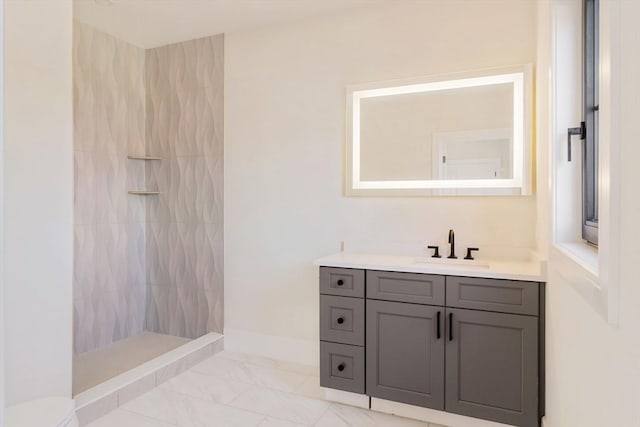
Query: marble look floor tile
x=299 y=369
x=274 y=422
x=284 y=406
x=236 y=371
x=248 y=358
x=205 y=387
x=122 y=418
x=311 y=388
x=348 y=416
x=270 y=363
x=185 y=411
x=228 y=369
x=275 y=378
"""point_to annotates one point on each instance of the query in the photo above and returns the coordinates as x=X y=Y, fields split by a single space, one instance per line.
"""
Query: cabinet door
x=405 y=353
x=492 y=366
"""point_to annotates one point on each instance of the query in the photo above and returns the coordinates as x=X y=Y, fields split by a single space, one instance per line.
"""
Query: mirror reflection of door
x=472 y=169
x=483 y=154
x=479 y=154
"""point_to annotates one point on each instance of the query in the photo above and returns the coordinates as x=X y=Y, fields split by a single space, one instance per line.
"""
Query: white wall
x=38 y=205
x=284 y=143
x=593 y=368
x=1 y=210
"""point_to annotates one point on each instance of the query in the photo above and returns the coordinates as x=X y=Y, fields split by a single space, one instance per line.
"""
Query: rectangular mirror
x=460 y=134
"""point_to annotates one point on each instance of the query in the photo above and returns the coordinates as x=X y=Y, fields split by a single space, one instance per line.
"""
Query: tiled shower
x=148 y=154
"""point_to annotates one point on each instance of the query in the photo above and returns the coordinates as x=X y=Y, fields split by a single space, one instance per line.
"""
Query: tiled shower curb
x=104 y=398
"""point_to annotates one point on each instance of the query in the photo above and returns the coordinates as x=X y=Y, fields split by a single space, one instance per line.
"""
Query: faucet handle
x=469 y=253
x=436 y=252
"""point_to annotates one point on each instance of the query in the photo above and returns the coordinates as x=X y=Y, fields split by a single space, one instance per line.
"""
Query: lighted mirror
x=462 y=134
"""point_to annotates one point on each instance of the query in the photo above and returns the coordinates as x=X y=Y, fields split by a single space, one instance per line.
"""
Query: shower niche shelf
x=134 y=157
x=144 y=192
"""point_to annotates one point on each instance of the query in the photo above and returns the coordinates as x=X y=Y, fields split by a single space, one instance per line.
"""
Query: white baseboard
x=274 y=347
x=429 y=415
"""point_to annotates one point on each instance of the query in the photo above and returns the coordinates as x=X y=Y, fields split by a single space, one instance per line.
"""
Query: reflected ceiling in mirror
x=463 y=134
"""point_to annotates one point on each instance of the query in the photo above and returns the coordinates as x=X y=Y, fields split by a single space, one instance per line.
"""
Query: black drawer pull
x=340 y=282
x=340 y=320
x=450 y=326
x=341 y=367
x=438 y=326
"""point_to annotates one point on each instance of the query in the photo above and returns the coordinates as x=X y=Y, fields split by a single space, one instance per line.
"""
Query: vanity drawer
x=504 y=296
x=342 y=367
x=347 y=282
x=405 y=287
x=342 y=319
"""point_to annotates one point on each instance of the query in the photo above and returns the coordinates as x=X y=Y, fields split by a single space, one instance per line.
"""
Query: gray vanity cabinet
x=342 y=323
x=405 y=353
x=467 y=345
x=492 y=366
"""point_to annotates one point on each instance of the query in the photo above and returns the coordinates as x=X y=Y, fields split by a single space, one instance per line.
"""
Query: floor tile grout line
x=198 y=397
x=267 y=416
x=323 y=414
x=192 y=369
x=278 y=418
x=243 y=382
x=277 y=367
x=294 y=393
x=278 y=363
x=150 y=418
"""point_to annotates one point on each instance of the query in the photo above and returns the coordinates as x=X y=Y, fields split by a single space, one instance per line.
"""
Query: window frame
x=590 y=116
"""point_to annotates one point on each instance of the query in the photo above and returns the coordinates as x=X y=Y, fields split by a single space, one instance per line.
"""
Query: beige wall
x=37 y=199
x=2 y=399
x=284 y=143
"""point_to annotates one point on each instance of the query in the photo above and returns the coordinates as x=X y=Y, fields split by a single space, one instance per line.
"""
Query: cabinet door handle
x=340 y=282
x=341 y=367
x=340 y=320
x=450 y=326
x=438 y=326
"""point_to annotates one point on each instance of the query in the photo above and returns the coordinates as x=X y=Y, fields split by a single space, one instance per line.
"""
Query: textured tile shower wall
x=184 y=250
x=109 y=122
x=147 y=263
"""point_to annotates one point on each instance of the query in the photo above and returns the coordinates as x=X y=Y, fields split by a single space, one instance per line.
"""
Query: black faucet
x=452 y=243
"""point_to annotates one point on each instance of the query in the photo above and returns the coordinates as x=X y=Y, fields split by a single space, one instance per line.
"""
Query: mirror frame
x=522 y=154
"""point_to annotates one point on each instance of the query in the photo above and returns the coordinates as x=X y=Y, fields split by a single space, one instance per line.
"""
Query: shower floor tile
x=95 y=367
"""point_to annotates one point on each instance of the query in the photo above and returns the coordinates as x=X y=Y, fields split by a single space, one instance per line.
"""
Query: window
x=593 y=28
x=590 y=116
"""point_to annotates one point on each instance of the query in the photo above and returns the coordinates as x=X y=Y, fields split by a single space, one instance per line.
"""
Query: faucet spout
x=452 y=245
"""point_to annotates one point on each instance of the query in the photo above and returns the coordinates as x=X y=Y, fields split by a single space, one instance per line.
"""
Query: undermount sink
x=448 y=263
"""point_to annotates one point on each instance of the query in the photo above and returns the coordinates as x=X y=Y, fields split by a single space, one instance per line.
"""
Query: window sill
x=577 y=264
x=586 y=256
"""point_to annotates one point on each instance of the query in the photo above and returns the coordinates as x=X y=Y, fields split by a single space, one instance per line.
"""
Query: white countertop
x=530 y=270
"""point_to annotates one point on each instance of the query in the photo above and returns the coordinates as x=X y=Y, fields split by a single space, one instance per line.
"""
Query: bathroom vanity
x=464 y=338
